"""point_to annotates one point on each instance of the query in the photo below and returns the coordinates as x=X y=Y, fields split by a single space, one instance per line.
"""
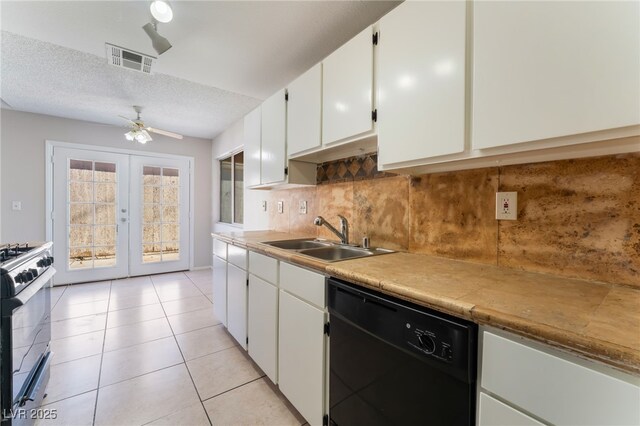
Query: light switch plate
x=16 y=205
x=506 y=205
x=302 y=208
x=280 y=206
x=264 y=205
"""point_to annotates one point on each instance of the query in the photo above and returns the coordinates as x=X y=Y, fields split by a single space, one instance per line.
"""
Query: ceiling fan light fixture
x=161 y=11
x=130 y=135
x=159 y=43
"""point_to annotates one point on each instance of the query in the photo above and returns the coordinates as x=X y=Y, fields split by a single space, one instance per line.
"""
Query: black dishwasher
x=394 y=362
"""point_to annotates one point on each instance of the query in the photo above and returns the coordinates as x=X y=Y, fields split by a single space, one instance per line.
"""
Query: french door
x=117 y=215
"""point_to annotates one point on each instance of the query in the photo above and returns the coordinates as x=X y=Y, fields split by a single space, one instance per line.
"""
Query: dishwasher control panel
x=428 y=342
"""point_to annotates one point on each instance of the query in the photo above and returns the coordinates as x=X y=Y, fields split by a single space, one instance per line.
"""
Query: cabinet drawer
x=220 y=249
x=495 y=413
x=264 y=267
x=237 y=256
x=550 y=386
x=305 y=284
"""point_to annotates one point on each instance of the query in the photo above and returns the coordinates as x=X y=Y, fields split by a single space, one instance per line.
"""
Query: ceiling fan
x=140 y=133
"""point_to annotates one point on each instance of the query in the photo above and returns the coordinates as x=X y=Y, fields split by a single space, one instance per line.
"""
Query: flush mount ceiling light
x=161 y=11
x=159 y=43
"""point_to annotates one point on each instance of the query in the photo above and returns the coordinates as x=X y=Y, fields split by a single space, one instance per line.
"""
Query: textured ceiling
x=226 y=57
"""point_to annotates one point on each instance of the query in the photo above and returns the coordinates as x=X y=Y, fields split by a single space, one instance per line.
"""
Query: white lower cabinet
x=550 y=385
x=237 y=304
x=263 y=326
x=492 y=412
x=220 y=289
x=301 y=360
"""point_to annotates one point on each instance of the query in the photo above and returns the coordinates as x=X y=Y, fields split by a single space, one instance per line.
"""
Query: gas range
x=20 y=264
x=26 y=276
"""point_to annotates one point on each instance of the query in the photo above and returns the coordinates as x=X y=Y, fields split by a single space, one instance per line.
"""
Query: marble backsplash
x=576 y=218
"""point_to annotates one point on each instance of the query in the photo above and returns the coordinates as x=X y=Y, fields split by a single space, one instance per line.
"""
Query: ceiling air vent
x=126 y=58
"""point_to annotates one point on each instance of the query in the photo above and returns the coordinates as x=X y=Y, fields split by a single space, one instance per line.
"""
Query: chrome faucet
x=343 y=234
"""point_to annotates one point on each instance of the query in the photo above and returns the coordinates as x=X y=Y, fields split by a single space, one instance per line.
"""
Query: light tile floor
x=149 y=350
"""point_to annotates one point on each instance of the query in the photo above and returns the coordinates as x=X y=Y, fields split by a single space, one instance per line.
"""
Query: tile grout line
x=236 y=387
x=182 y=355
x=104 y=339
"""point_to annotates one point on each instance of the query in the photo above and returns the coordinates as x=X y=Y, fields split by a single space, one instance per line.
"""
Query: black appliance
x=26 y=274
x=394 y=362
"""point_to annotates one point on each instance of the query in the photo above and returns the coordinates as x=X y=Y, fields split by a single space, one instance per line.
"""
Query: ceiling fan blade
x=133 y=123
x=164 y=132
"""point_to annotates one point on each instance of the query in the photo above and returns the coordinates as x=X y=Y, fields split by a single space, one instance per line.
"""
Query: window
x=231 y=188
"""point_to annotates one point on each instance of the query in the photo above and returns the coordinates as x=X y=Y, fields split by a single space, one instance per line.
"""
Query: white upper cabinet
x=421 y=81
x=347 y=89
x=274 y=119
x=252 y=150
x=304 y=111
x=554 y=68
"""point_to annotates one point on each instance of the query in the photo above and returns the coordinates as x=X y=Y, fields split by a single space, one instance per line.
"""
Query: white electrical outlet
x=264 y=205
x=280 y=206
x=16 y=205
x=302 y=207
x=506 y=205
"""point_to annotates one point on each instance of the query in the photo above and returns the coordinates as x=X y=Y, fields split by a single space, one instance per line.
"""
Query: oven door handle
x=9 y=305
x=34 y=386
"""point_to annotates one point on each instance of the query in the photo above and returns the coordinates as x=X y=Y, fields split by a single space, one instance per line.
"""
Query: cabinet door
x=421 y=81
x=347 y=89
x=263 y=326
x=560 y=388
x=495 y=413
x=551 y=69
x=304 y=111
x=237 y=304
x=252 y=155
x=301 y=356
x=220 y=289
x=274 y=116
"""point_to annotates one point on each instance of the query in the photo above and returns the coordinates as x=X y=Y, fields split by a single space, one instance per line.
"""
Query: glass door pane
x=92 y=189
x=160 y=214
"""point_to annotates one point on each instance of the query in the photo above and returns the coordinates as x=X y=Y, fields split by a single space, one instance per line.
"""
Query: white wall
x=230 y=140
x=22 y=171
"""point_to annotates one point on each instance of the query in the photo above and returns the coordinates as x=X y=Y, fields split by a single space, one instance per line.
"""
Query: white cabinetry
x=252 y=147
x=347 y=90
x=302 y=342
x=421 y=81
x=263 y=313
x=552 y=386
x=275 y=170
x=550 y=69
x=220 y=280
x=274 y=119
x=237 y=294
x=304 y=111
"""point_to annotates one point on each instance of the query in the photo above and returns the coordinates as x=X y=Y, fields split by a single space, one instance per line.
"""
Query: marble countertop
x=595 y=320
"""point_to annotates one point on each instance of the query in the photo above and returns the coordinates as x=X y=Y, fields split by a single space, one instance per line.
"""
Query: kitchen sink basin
x=338 y=252
x=298 y=244
x=327 y=251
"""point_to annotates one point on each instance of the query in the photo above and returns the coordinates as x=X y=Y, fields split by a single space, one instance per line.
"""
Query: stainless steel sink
x=298 y=244
x=339 y=252
x=326 y=250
